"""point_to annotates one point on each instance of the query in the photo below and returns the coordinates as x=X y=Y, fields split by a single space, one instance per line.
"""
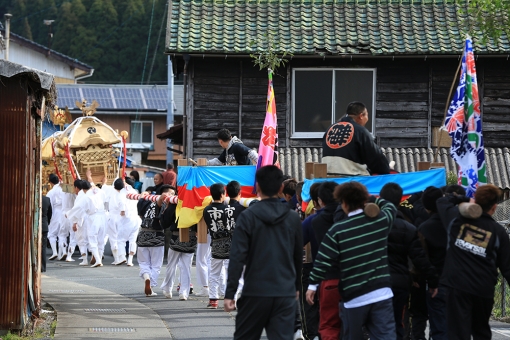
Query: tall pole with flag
x=464 y=125
x=268 y=147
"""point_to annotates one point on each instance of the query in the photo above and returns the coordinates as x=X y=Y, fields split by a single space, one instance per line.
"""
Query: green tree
x=486 y=19
x=109 y=35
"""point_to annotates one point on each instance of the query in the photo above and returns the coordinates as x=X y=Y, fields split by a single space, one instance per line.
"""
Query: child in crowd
x=215 y=217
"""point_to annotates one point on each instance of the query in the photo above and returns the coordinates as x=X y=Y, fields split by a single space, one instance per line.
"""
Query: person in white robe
x=55 y=195
x=78 y=219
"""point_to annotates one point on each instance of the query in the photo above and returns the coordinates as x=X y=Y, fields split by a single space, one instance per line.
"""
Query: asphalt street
x=184 y=319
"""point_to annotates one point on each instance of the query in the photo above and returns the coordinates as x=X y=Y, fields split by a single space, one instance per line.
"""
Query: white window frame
x=141 y=122
x=304 y=135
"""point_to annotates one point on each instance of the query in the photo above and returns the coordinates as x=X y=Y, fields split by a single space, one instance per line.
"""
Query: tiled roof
x=293 y=161
x=322 y=26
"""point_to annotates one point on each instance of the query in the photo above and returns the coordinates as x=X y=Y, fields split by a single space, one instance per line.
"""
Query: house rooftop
x=320 y=28
x=44 y=50
x=121 y=99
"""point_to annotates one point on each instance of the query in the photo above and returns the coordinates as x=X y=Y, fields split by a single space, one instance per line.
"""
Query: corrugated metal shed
x=293 y=161
x=22 y=95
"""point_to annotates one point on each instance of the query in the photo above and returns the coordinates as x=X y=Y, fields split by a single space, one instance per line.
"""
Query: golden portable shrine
x=87 y=143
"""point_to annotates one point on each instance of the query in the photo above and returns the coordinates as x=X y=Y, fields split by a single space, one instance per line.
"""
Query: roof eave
x=74 y=63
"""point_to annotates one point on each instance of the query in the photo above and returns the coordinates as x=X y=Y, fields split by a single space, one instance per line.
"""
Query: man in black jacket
x=46 y=218
x=349 y=149
x=330 y=324
x=235 y=152
x=268 y=241
x=404 y=244
x=477 y=249
x=434 y=237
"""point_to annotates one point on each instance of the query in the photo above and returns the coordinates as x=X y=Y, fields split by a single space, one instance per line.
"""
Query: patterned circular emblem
x=339 y=135
x=91 y=130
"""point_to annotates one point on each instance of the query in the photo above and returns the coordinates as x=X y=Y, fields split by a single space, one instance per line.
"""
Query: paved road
x=184 y=319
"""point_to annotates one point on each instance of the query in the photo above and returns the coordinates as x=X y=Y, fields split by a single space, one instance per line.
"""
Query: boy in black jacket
x=177 y=252
x=268 y=241
x=404 y=244
x=477 y=248
x=330 y=324
x=434 y=238
x=215 y=217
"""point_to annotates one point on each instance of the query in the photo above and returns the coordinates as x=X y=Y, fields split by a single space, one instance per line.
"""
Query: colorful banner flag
x=411 y=182
x=268 y=147
x=193 y=188
x=464 y=125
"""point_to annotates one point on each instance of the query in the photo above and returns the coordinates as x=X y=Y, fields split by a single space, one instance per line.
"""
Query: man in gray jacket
x=268 y=241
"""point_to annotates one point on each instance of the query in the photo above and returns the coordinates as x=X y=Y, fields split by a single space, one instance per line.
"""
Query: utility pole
x=170 y=110
x=7 y=17
x=50 y=35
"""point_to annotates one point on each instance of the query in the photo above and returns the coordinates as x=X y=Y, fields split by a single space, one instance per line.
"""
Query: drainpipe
x=83 y=77
x=7 y=17
x=186 y=58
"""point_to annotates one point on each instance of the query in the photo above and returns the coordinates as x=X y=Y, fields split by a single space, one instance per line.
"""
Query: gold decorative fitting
x=124 y=134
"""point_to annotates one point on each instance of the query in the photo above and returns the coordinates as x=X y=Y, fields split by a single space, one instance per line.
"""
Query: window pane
x=136 y=133
x=353 y=86
x=313 y=102
x=147 y=133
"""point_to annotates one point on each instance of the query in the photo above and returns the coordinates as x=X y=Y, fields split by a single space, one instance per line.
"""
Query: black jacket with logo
x=352 y=141
x=477 y=248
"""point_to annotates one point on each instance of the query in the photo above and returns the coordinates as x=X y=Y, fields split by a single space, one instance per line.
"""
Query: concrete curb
x=118 y=317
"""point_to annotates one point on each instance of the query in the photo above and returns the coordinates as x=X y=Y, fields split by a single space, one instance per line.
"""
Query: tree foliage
x=268 y=55
x=109 y=35
x=486 y=19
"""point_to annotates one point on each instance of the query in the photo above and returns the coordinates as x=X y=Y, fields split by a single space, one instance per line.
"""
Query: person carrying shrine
x=348 y=148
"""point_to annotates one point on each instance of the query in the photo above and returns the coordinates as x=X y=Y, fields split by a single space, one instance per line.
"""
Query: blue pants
x=377 y=317
x=437 y=314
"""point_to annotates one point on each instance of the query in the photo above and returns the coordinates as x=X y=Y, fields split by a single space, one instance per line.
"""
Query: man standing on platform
x=169 y=176
x=348 y=148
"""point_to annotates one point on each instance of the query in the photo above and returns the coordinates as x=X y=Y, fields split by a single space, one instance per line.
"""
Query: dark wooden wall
x=229 y=91
x=410 y=99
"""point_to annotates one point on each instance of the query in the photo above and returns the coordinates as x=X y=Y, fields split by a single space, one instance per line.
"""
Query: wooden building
x=23 y=95
x=399 y=58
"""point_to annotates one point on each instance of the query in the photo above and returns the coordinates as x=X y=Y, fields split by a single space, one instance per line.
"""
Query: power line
x=148 y=42
x=157 y=44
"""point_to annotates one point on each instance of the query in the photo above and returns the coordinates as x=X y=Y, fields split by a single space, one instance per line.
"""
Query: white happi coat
x=56 y=197
x=118 y=223
x=96 y=228
x=129 y=231
x=78 y=215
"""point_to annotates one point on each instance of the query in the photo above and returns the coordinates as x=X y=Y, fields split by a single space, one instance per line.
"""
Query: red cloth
x=169 y=177
x=330 y=323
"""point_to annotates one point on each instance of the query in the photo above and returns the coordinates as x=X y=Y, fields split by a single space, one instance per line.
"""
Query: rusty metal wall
x=16 y=201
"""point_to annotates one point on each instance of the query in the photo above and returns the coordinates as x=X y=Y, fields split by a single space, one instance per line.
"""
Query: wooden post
x=201 y=161
x=182 y=162
x=201 y=231
x=422 y=166
x=320 y=170
x=309 y=170
x=184 y=234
